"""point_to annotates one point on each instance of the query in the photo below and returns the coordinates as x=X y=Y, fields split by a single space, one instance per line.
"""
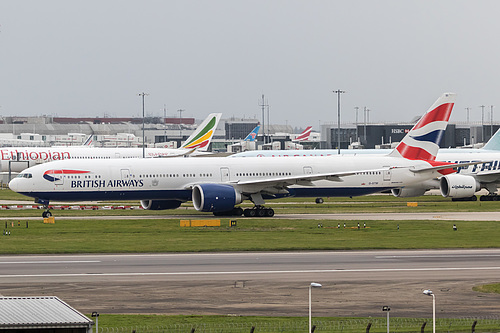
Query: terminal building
x=171 y=132
x=372 y=136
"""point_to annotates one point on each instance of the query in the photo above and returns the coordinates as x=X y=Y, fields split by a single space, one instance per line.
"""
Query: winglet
x=422 y=142
x=202 y=136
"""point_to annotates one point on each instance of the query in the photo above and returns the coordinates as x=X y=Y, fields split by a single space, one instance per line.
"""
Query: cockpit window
x=25 y=175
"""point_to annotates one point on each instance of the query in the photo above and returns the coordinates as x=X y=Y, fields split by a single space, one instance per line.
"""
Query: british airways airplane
x=219 y=184
x=16 y=159
x=461 y=186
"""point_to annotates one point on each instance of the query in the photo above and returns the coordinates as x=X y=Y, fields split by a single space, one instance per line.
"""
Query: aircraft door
x=125 y=174
x=308 y=170
x=387 y=175
x=224 y=174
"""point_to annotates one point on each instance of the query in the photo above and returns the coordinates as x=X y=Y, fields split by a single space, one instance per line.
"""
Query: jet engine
x=458 y=186
x=215 y=197
x=160 y=204
x=407 y=192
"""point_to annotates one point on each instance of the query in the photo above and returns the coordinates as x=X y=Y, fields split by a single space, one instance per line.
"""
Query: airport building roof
x=40 y=312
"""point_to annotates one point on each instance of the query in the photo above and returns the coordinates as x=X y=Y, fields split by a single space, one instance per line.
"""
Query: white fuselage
x=20 y=158
x=489 y=171
x=173 y=179
x=441 y=156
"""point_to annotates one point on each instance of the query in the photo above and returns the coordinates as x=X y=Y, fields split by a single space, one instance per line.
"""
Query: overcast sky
x=92 y=58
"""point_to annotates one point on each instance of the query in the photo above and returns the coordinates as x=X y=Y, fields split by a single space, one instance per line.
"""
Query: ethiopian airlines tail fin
x=201 y=137
x=304 y=136
x=422 y=142
x=253 y=134
x=494 y=142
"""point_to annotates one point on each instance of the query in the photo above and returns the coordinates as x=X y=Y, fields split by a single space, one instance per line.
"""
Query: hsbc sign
x=399 y=131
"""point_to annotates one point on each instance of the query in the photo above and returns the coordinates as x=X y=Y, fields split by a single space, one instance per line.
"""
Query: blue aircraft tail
x=253 y=134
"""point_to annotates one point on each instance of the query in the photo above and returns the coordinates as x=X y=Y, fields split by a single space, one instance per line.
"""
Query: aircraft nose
x=14 y=184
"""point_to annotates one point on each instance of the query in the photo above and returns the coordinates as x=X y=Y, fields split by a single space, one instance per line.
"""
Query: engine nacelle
x=458 y=186
x=215 y=197
x=160 y=204
x=408 y=192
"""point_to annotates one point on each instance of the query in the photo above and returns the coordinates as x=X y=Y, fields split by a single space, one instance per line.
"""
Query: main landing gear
x=490 y=197
x=257 y=211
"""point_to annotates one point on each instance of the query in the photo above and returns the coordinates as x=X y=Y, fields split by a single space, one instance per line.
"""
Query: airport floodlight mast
x=165 y=122
x=180 y=119
x=365 y=112
x=338 y=92
x=143 y=94
x=491 y=121
x=482 y=122
x=357 y=135
x=263 y=106
x=268 y=123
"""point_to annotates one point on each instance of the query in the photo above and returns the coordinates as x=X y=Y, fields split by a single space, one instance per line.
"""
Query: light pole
x=338 y=92
x=180 y=128
x=143 y=94
x=263 y=106
x=96 y=316
x=312 y=285
x=491 y=121
x=357 y=135
x=364 y=118
x=387 y=309
x=429 y=292
x=482 y=122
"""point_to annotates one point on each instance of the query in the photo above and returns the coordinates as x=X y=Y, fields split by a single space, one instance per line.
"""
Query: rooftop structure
x=30 y=313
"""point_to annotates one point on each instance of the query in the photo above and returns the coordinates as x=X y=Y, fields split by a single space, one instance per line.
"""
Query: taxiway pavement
x=355 y=283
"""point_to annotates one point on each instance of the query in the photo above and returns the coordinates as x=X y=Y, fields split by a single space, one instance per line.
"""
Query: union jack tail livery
x=304 y=136
x=422 y=142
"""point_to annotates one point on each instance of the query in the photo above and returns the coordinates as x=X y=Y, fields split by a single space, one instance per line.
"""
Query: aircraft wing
x=279 y=184
x=436 y=166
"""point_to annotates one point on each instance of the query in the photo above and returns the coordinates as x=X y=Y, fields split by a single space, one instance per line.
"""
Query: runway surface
x=355 y=283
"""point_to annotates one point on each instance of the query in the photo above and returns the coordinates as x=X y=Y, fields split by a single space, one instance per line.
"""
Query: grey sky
x=90 y=58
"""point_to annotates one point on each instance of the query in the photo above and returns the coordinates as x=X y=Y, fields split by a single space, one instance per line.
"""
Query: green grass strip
x=173 y=324
x=166 y=235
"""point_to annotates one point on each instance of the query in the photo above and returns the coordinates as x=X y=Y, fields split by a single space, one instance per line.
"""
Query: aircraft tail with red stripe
x=304 y=136
x=422 y=142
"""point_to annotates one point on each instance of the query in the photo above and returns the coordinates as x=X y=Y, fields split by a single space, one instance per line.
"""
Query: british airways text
x=110 y=183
